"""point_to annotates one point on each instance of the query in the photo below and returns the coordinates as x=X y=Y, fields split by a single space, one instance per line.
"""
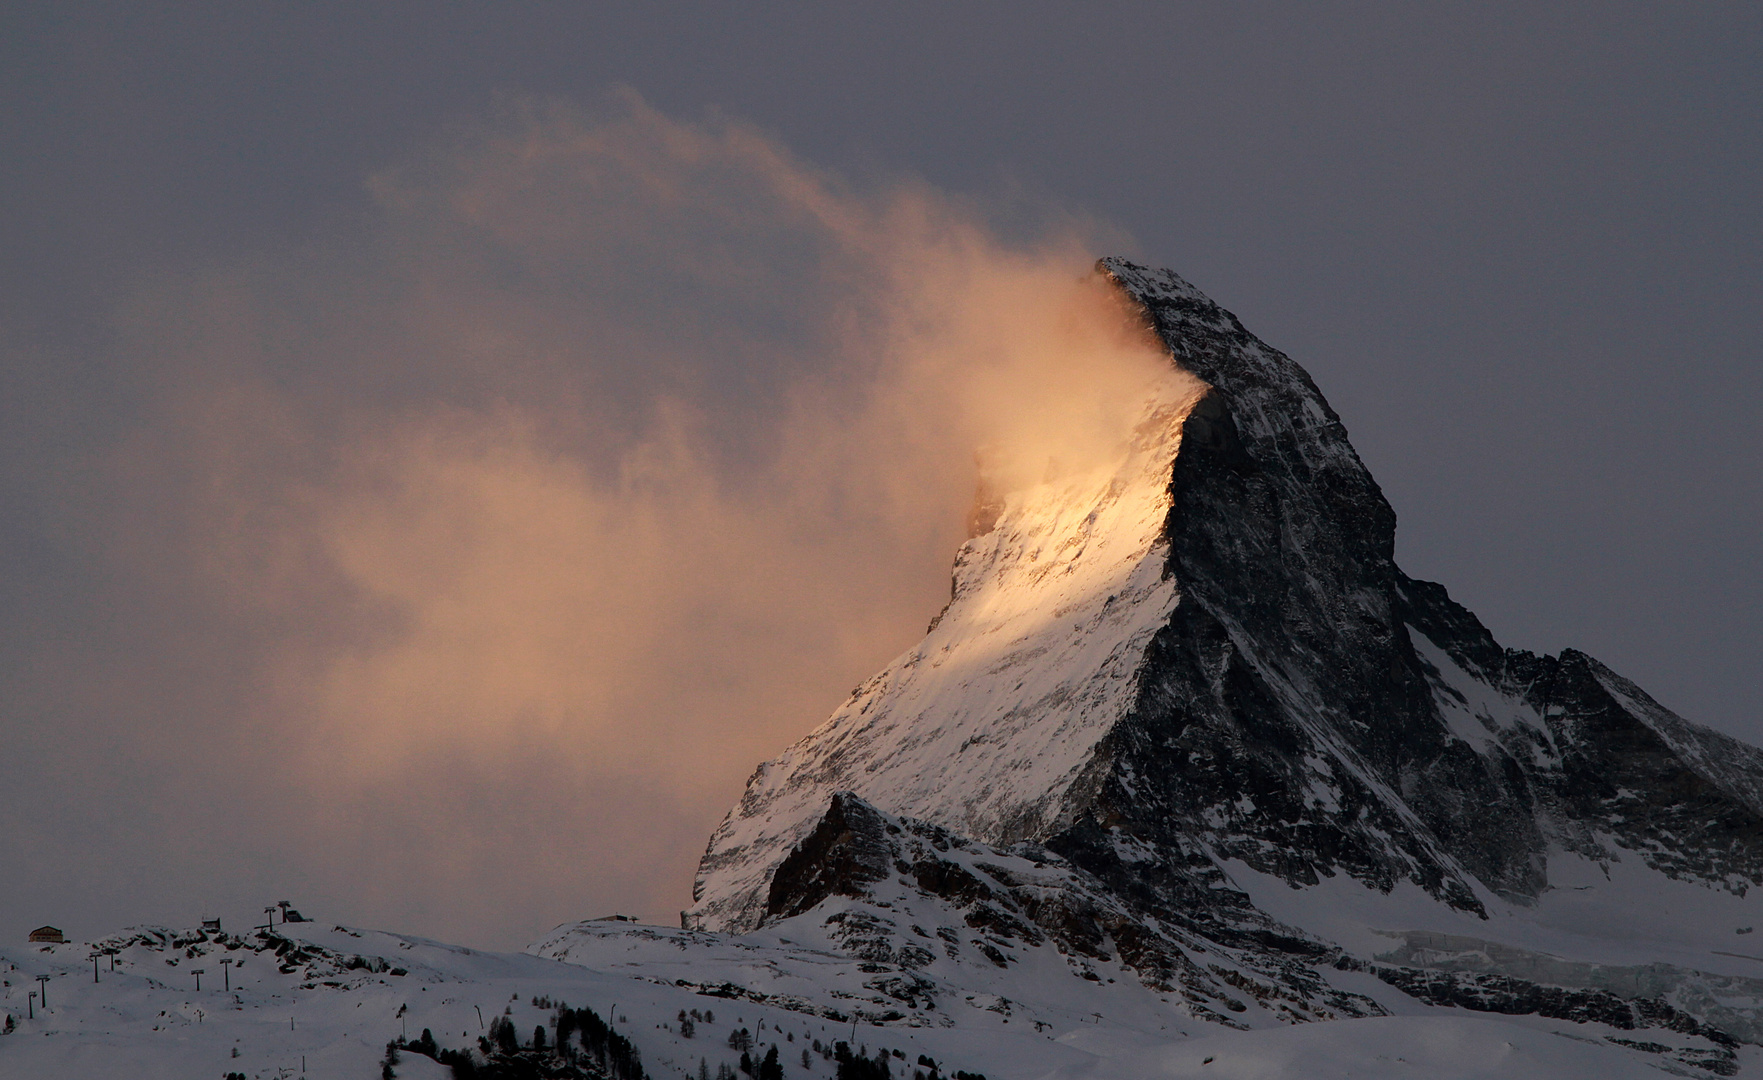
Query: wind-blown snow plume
x=603 y=462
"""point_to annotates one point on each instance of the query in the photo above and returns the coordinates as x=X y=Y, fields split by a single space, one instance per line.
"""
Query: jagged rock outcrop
x=995 y=903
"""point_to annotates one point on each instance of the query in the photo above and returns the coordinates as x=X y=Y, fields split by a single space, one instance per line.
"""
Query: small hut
x=48 y=934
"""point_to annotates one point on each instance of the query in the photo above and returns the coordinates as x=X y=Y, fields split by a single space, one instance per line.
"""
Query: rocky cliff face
x=1204 y=658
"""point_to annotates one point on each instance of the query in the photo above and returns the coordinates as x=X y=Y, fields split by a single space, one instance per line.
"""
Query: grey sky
x=1520 y=248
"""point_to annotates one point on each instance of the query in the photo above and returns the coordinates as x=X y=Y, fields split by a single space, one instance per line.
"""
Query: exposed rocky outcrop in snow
x=1002 y=902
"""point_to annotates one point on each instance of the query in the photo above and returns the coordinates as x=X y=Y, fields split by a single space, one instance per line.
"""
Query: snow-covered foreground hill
x=892 y=935
x=796 y=985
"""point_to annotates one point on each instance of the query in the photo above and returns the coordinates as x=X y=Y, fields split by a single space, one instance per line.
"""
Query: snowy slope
x=146 y=1019
x=803 y=984
x=1030 y=664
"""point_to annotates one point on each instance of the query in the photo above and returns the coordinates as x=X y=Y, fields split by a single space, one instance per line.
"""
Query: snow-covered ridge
x=987 y=725
x=811 y=981
x=1735 y=767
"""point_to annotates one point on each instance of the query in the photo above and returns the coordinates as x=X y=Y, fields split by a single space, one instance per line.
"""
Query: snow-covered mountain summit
x=1198 y=673
x=1206 y=652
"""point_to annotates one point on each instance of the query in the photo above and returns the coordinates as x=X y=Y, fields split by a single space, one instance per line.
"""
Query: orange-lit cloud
x=523 y=525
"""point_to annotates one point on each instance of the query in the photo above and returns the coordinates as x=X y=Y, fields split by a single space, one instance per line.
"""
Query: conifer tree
x=771 y=1068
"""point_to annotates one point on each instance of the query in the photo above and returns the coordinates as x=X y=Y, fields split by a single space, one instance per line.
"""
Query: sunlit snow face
x=602 y=466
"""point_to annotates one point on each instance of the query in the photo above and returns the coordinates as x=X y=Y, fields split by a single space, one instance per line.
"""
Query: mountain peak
x=1197 y=679
x=994 y=724
x=1207 y=645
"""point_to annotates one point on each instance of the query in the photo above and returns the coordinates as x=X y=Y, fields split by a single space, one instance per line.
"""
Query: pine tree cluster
x=582 y=1047
x=856 y=1066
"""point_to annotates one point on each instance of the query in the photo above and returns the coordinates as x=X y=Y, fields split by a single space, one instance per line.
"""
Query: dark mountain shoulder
x=1427 y=606
x=1683 y=797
